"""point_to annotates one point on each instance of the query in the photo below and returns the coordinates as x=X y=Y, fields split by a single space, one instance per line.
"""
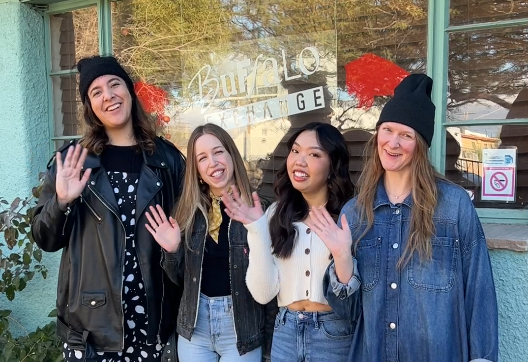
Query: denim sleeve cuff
x=341 y=290
x=480 y=360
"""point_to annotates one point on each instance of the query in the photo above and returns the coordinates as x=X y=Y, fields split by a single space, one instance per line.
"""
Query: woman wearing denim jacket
x=427 y=291
x=287 y=260
x=218 y=319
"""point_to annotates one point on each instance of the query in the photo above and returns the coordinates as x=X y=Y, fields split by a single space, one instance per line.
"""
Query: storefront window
x=263 y=68
x=481 y=11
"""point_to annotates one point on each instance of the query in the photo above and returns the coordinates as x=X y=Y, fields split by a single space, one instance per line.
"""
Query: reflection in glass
x=481 y=11
x=464 y=155
x=67 y=107
x=73 y=35
x=487 y=71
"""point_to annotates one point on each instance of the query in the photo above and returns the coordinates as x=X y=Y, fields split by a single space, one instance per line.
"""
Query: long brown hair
x=424 y=197
x=196 y=194
x=94 y=134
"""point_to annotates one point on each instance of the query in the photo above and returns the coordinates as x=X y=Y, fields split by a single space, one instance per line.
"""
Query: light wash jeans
x=310 y=337
x=214 y=338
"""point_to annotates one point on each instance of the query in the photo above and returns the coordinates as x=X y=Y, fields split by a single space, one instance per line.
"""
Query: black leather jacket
x=253 y=321
x=92 y=237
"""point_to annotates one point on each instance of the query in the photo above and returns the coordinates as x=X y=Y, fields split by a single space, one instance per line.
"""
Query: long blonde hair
x=195 y=195
x=424 y=196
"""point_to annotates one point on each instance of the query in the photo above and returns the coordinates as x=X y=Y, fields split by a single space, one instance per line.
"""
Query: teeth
x=300 y=174
x=393 y=154
x=217 y=173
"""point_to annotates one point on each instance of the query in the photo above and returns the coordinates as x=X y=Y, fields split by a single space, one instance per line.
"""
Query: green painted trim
x=47 y=52
x=70 y=5
x=105 y=27
x=486 y=122
x=502 y=216
x=437 y=52
x=63 y=72
x=486 y=26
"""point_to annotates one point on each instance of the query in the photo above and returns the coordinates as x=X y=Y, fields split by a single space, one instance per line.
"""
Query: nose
x=299 y=160
x=108 y=94
x=394 y=141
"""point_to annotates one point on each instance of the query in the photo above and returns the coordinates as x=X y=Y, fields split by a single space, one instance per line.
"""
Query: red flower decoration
x=370 y=76
x=152 y=98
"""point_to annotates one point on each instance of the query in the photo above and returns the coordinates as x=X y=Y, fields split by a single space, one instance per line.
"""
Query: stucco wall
x=510 y=271
x=24 y=139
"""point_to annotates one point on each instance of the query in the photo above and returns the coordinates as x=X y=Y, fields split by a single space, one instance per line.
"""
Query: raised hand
x=69 y=183
x=337 y=239
x=237 y=208
x=165 y=231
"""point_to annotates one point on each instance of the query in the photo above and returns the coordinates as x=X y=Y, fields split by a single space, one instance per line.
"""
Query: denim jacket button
x=308 y=231
x=395 y=246
x=394 y=285
x=194 y=279
x=397 y=211
x=307 y=251
x=392 y=326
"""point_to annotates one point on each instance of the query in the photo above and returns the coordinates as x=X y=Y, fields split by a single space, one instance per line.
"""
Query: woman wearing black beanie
x=427 y=291
x=114 y=302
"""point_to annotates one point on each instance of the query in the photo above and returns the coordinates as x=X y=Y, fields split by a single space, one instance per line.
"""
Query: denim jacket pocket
x=437 y=274
x=369 y=259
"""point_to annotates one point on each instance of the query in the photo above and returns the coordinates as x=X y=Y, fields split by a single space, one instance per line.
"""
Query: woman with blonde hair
x=206 y=252
x=427 y=291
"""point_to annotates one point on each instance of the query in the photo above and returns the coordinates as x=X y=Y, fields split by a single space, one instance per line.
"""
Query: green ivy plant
x=20 y=260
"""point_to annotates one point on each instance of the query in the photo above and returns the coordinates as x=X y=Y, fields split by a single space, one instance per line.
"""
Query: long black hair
x=291 y=205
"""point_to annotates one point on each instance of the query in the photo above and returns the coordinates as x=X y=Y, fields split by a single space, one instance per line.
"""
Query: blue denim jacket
x=438 y=310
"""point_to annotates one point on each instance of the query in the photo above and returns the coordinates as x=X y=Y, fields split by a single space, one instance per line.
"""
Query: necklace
x=397 y=196
x=323 y=205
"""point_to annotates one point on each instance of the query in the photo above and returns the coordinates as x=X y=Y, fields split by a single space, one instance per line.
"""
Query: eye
x=219 y=152
x=293 y=150
x=200 y=159
x=115 y=84
x=315 y=155
x=95 y=94
x=386 y=129
x=407 y=136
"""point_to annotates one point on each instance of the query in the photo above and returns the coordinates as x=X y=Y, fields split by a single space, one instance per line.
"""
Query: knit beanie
x=411 y=105
x=94 y=67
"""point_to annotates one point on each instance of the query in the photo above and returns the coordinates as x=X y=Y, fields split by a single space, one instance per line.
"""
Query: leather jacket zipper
x=92 y=211
x=162 y=285
x=122 y=266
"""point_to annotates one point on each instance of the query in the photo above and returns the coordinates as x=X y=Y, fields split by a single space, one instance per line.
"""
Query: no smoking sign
x=498 y=183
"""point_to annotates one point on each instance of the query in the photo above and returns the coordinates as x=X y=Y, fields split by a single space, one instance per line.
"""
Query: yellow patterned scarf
x=215 y=216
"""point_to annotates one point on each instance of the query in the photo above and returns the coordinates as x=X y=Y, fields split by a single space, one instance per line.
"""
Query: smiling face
x=396 y=146
x=214 y=163
x=111 y=101
x=308 y=164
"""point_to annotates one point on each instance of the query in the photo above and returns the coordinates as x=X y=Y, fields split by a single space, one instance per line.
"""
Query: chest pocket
x=437 y=274
x=369 y=259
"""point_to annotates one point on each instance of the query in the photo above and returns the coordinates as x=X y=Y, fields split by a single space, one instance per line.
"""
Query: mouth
x=300 y=175
x=217 y=173
x=113 y=107
x=392 y=154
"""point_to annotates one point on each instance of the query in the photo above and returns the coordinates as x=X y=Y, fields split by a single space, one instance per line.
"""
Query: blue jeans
x=214 y=337
x=310 y=337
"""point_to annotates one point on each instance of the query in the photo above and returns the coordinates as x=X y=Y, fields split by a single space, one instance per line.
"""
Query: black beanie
x=412 y=106
x=94 y=67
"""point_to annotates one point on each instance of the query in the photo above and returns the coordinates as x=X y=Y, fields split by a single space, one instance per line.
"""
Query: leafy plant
x=18 y=266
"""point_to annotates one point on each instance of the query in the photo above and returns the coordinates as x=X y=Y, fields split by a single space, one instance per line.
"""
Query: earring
x=201 y=181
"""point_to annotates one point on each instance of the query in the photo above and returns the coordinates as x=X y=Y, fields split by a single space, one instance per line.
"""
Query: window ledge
x=508 y=237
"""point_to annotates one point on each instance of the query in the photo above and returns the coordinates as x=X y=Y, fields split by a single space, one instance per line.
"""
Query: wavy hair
x=94 y=134
x=291 y=205
x=424 y=195
x=196 y=193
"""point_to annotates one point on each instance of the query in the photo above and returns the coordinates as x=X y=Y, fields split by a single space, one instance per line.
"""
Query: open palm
x=337 y=239
x=69 y=183
x=238 y=209
x=165 y=231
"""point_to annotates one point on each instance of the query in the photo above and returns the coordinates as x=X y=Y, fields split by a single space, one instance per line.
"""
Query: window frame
x=438 y=31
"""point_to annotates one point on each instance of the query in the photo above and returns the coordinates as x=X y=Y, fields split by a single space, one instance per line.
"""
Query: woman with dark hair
x=427 y=291
x=114 y=301
x=287 y=260
x=205 y=252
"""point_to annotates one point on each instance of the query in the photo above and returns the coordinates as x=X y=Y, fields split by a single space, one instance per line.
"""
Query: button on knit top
x=299 y=277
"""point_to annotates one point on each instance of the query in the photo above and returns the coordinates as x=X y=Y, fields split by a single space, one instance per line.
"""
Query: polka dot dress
x=134 y=297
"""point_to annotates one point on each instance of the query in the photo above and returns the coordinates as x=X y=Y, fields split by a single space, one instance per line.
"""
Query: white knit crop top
x=299 y=277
